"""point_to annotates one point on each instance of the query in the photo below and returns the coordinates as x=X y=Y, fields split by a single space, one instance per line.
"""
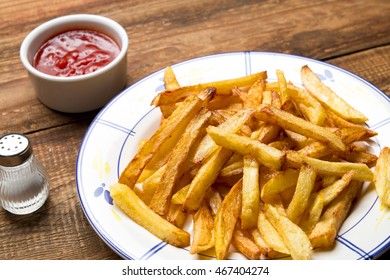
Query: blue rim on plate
x=111 y=141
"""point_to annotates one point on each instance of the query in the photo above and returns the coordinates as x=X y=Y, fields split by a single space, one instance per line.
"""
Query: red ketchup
x=75 y=53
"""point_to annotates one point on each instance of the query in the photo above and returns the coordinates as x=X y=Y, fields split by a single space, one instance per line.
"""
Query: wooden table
x=354 y=35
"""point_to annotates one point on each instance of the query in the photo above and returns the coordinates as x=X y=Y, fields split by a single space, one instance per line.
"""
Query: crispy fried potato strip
x=126 y=199
x=225 y=220
x=382 y=176
x=329 y=98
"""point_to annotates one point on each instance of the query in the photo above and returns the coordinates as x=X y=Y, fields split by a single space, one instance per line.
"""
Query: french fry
x=222 y=88
x=312 y=213
x=293 y=236
x=225 y=220
x=204 y=178
x=175 y=165
x=307 y=104
x=266 y=133
x=358 y=156
x=270 y=157
x=174 y=125
x=330 y=192
x=214 y=200
x=329 y=98
x=282 y=181
x=232 y=169
x=382 y=176
x=270 y=235
x=203 y=235
x=362 y=172
x=253 y=97
x=305 y=185
x=150 y=185
x=170 y=80
x=266 y=252
x=180 y=196
x=231 y=103
x=336 y=121
x=282 y=85
x=250 y=193
x=325 y=231
x=242 y=241
x=288 y=121
x=125 y=198
x=207 y=146
x=176 y=215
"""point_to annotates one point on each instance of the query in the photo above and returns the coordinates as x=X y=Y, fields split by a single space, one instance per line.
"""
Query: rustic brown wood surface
x=354 y=35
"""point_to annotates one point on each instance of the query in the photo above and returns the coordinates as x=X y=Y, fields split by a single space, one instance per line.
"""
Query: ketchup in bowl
x=75 y=53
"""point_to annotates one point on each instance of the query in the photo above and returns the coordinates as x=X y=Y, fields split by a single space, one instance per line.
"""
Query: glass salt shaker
x=24 y=183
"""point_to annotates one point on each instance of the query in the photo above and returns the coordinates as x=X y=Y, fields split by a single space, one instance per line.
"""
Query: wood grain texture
x=353 y=35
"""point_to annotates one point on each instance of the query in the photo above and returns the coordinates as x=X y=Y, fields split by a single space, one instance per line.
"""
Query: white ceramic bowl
x=77 y=93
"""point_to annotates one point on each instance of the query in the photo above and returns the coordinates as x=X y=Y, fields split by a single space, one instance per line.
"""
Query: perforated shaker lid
x=14 y=149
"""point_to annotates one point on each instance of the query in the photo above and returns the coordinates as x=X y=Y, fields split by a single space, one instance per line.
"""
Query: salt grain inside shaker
x=24 y=183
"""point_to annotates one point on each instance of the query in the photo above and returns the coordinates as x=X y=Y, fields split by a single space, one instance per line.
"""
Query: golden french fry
x=362 y=172
x=316 y=149
x=250 y=193
x=176 y=215
x=270 y=235
x=150 y=185
x=231 y=103
x=312 y=213
x=329 y=98
x=242 y=241
x=170 y=80
x=330 y=192
x=305 y=185
x=168 y=109
x=382 y=176
x=279 y=183
x=324 y=232
x=222 y=88
x=175 y=164
x=173 y=126
x=360 y=157
x=288 y=121
x=253 y=97
x=307 y=104
x=232 y=169
x=180 y=196
x=203 y=235
x=266 y=251
x=125 y=198
x=225 y=220
x=214 y=200
x=207 y=146
x=335 y=120
x=353 y=134
x=204 y=178
x=293 y=236
x=266 y=133
x=282 y=85
x=270 y=157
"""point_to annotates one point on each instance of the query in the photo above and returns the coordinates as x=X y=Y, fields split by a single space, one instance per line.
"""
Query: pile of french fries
x=267 y=168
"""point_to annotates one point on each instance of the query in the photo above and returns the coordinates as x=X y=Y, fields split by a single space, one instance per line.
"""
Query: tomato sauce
x=75 y=53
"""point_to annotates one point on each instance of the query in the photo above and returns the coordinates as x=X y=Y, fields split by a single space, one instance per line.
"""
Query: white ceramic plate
x=111 y=142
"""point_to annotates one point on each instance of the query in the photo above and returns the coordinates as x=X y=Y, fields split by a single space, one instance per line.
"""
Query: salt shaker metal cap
x=24 y=183
x=14 y=149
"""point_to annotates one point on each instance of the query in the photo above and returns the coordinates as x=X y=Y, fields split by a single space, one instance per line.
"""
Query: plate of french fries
x=245 y=155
